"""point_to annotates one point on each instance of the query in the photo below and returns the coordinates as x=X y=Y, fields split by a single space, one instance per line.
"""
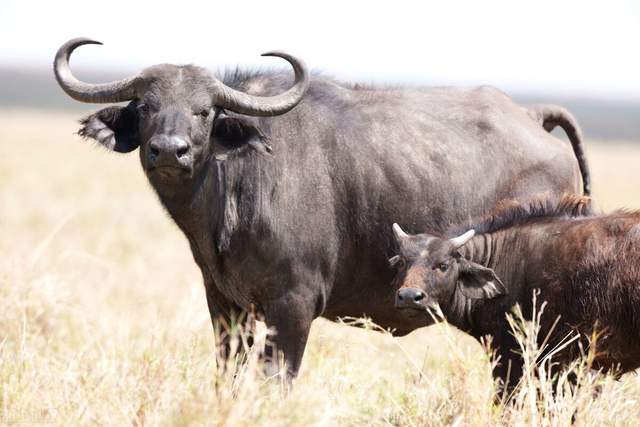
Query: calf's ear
x=478 y=282
x=115 y=128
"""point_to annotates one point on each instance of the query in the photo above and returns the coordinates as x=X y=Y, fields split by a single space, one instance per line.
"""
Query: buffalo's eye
x=443 y=266
x=143 y=108
x=204 y=114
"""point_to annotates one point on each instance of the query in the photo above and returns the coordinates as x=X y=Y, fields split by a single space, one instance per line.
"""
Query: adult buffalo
x=288 y=214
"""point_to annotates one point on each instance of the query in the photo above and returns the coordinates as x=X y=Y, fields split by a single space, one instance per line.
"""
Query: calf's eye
x=204 y=114
x=443 y=266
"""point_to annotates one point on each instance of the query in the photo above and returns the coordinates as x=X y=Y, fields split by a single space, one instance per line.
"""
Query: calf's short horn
x=462 y=239
x=399 y=233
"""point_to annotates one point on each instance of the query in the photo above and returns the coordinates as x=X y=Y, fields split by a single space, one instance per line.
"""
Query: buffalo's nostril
x=182 y=151
x=418 y=296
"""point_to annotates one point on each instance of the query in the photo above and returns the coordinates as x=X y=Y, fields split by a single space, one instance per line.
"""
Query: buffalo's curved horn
x=399 y=233
x=250 y=105
x=462 y=239
x=118 y=91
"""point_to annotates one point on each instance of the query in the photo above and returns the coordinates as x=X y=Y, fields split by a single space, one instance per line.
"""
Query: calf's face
x=431 y=270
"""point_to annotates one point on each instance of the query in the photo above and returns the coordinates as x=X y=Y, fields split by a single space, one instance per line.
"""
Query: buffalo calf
x=585 y=266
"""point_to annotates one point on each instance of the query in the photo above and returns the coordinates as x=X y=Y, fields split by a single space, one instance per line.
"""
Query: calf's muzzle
x=410 y=298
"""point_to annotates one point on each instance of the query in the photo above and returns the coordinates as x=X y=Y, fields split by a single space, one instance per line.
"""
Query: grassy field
x=103 y=319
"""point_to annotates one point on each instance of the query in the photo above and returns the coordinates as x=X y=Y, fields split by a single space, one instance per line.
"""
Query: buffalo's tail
x=550 y=116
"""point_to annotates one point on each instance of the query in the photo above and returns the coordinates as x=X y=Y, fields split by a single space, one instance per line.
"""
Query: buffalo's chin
x=413 y=311
x=169 y=174
x=417 y=317
x=419 y=309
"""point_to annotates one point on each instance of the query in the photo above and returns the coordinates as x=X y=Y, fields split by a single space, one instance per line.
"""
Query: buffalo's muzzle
x=411 y=298
x=166 y=152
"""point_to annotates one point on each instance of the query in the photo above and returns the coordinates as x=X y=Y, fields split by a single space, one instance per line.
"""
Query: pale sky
x=588 y=48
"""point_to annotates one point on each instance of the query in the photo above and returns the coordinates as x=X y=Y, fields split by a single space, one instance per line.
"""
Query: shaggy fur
x=510 y=213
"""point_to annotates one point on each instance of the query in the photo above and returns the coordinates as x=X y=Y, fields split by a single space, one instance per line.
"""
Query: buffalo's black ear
x=394 y=260
x=478 y=282
x=232 y=132
x=116 y=128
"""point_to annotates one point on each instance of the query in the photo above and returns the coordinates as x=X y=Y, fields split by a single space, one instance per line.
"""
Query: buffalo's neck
x=503 y=251
x=197 y=210
x=212 y=208
x=192 y=204
x=485 y=249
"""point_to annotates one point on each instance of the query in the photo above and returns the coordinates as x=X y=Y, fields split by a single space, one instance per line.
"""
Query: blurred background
x=581 y=54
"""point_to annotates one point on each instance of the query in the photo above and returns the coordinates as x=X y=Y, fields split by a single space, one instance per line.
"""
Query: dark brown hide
x=587 y=269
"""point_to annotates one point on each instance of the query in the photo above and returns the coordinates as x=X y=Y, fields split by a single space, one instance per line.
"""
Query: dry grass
x=103 y=319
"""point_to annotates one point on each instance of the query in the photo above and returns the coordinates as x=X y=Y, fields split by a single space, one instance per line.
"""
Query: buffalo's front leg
x=509 y=367
x=289 y=318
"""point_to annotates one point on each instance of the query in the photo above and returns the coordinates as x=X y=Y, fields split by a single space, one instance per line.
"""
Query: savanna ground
x=103 y=319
